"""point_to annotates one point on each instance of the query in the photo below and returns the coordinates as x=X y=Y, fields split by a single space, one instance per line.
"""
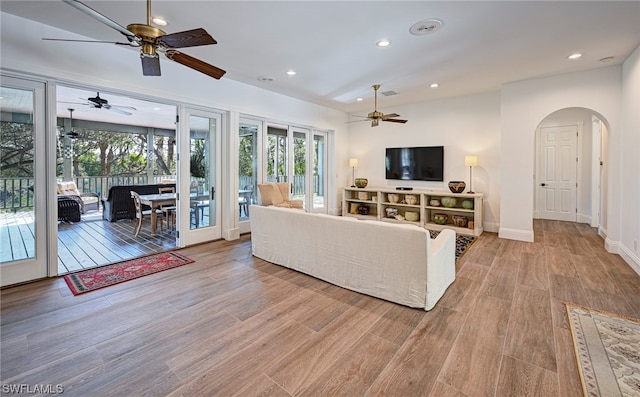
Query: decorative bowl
x=411 y=199
x=362 y=182
x=393 y=197
x=411 y=216
x=467 y=204
x=460 y=220
x=391 y=212
x=440 y=219
x=449 y=202
x=434 y=203
x=457 y=186
x=363 y=210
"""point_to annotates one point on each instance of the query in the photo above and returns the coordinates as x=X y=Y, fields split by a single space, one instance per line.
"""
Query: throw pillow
x=283 y=188
x=269 y=194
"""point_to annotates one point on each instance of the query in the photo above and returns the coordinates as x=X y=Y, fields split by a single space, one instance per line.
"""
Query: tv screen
x=415 y=163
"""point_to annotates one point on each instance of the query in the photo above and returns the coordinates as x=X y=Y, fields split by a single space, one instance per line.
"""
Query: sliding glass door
x=23 y=220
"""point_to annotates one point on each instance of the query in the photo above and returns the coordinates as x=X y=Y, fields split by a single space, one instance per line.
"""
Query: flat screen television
x=415 y=163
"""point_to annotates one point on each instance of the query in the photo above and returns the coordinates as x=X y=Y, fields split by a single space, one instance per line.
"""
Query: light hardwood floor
x=230 y=324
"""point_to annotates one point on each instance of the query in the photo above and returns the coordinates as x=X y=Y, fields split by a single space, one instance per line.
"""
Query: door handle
x=543 y=184
x=213 y=193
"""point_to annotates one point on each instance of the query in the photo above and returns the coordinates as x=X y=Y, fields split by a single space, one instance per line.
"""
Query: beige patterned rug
x=607 y=350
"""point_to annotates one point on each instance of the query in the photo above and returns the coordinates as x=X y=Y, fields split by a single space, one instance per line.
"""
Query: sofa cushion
x=68 y=188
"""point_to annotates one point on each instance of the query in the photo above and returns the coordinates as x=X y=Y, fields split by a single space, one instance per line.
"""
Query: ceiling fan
x=100 y=103
x=152 y=41
x=376 y=116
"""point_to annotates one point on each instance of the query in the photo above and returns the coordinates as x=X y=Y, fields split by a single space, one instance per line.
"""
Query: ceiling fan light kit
x=152 y=40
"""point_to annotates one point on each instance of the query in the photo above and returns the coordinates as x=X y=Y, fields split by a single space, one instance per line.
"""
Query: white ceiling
x=331 y=44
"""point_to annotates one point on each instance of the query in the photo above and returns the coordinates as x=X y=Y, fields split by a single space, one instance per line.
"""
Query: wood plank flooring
x=234 y=325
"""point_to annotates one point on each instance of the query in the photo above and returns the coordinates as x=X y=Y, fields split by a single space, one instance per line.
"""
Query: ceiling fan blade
x=101 y=18
x=188 y=38
x=386 y=116
x=121 y=107
x=195 y=64
x=356 y=121
x=395 y=120
x=150 y=66
x=93 y=41
x=113 y=109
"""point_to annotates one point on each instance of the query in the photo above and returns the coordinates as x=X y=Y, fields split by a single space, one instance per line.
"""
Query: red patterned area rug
x=607 y=350
x=105 y=276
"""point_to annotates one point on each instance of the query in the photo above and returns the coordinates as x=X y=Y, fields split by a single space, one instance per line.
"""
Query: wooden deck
x=90 y=243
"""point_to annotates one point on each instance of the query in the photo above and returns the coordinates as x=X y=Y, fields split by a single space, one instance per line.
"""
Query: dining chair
x=244 y=200
x=169 y=210
x=140 y=212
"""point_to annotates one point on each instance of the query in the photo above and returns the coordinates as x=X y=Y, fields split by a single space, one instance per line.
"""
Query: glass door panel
x=277 y=155
x=201 y=210
x=299 y=188
x=23 y=221
x=319 y=172
x=247 y=166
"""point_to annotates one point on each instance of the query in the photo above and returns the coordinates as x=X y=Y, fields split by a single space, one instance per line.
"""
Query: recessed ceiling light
x=425 y=27
x=266 y=79
x=575 y=55
x=359 y=99
x=291 y=72
x=156 y=109
x=434 y=85
x=159 y=21
x=383 y=43
x=606 y=59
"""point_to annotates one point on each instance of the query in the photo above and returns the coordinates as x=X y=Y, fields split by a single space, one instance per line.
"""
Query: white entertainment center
x=425 y=206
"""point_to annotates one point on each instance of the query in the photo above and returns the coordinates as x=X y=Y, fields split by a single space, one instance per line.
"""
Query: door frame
x=186 y=236
x=39 y=266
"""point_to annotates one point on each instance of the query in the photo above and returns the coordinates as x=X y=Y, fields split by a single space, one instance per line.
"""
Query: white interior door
x=199 y=168
x=556 y=181
x=23 y=193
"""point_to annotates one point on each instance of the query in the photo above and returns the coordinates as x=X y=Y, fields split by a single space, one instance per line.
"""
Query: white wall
x=524 y=105
x=464 y=125
x=629 y=198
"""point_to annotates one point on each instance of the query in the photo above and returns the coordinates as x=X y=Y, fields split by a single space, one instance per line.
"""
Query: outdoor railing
x=17 y=193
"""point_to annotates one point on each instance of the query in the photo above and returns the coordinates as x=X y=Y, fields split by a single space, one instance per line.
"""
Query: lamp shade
x=470 y=161
x=353 y=162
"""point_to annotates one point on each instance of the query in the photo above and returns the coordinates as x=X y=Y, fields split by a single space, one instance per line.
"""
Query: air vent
x=266 y=79
x=389 y=93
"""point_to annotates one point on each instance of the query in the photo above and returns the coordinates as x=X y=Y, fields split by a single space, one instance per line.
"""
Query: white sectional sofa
x=396 y=262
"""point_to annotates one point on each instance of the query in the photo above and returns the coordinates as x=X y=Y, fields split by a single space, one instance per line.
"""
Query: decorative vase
x=440 y=219
x=363 y=195
x=391 y=212
x=434 y=202
x=449 y=202
x=467 y=204
x=411 y=199
x=411 y=216
x=460 y=220
x=362 y=182
x=457 y=186
x=393 y=197
x=363 y=210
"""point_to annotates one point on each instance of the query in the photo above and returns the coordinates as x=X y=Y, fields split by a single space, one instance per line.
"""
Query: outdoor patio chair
x=168 y=210
x=87 y=201
x=141 y=213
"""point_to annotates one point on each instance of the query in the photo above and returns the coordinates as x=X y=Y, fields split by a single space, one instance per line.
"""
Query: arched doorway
x=570 y=181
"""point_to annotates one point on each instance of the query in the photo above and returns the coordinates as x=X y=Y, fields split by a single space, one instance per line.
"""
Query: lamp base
x=470 y=192
x=352 y=186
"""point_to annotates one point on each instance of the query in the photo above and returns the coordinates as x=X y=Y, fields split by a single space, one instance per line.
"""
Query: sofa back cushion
x=68 y=188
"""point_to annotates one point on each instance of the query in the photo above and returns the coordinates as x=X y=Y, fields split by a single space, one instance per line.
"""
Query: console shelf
x=384 y=203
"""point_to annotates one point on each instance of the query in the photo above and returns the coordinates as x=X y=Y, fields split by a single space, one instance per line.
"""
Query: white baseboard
x=231 y=234
x=630 y=257
x=516 y=234
x=611 y=246
x=584 y=218
x=491 y=227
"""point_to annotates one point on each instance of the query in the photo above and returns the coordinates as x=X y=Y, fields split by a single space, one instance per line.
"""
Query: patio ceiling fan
x=152 y=41
x=100 y=103
x=376 y=116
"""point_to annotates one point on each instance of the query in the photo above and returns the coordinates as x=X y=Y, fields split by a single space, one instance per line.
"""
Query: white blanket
x=396 y=262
